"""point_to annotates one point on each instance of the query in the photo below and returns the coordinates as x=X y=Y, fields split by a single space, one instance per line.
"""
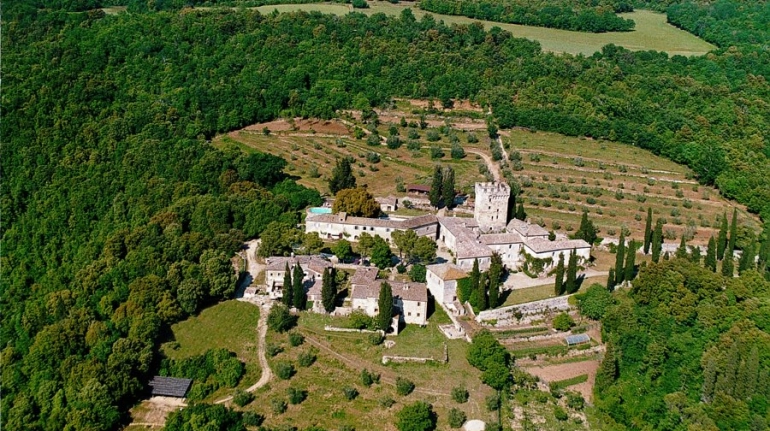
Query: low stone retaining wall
x=529 y=311
x=360 y=331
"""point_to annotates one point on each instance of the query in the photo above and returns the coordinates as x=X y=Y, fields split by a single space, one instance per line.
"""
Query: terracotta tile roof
x=501 y=238
x=390 y=200
x=315 y=289
x=525 y=229
x=540 y=245
x=342 y=218
x=366 y=291
x=315 y=263
x=407 y=291
x=364 y=275
x=447 y=271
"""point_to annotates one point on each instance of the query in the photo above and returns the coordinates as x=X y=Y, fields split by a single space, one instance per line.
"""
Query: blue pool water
x=320 y=210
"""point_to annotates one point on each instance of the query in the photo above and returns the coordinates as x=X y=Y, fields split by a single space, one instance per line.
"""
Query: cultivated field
x=312 y=155
x=651 y=33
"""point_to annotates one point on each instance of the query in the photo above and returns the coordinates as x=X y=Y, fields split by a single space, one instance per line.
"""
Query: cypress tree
x=342 y=176
x=328 y=290
x=681 y=252
x=728 y=264
x=436 y=194
x=288 y=295
x=620 y=254
x=630 y=261
x=611 y=280
x=695 y=254
x=448 y=187
x=733 y=232
x=571 y=284
x=558 y=287
x=587 y=230
x=722 y=238
x=298 y=288
x=709 y=380
x=482 y=292
x=764 y=249
x=666 y=256
x=520 y=213
x=752 y=371
x=711 y=255
x=385 y=305
x=648 y=231
x=746 y=261
x=495 y=276
x=511 y=206
x=474 y=284
x=608 y=370
x=657 y=241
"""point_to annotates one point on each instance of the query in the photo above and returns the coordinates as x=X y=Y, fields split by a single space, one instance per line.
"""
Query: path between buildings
x=267 y=373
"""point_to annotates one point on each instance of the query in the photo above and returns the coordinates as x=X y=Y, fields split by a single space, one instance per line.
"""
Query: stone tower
x=491 y=210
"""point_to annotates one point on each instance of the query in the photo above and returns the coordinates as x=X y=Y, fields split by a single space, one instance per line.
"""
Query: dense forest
x=589 y=16
x=119 y=218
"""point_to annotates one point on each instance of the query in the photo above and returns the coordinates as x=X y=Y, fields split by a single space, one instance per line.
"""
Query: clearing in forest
x=652 y=32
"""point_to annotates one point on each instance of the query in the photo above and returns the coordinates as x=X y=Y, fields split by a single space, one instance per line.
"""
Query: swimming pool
x=320 y=210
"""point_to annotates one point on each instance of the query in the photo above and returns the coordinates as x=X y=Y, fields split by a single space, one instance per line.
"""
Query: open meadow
x=652 y=32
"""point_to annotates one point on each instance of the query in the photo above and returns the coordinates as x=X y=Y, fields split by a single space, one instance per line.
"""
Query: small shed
x=574 y=340
x=418 y=189
x=170 y=386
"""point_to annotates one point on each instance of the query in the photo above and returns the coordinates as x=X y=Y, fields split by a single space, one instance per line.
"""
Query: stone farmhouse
x=410 y=300
x=442 y=281
x=468 y=239
x=312 y=266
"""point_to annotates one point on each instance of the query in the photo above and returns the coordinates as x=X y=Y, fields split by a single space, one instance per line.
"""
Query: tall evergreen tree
x=728 y=264
x=385 y=306
x=681 y=251
x=648 y=231
x=711 y=255
x=746 y=261
x=520 y=213
x=587 y=230
x=342 y=176
x=571 y=285
x=763 y=257
x=608 y=369
x=733 y=232
x=511 y=206
x=483 y=300
x=709 y=380
x=495 y=276
x=722 y=238
x=558 y=287
x=695 y=254
x=298 y=288
x=328 y=290
x=475 y=276
x=436 y=193
x=288 y=291
x=657 y=241
x=630 y=261
x=620 y=254
x=448 y=187
x=611 y=280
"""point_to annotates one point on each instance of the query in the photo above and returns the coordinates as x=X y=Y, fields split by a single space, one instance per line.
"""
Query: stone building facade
x=491 y=206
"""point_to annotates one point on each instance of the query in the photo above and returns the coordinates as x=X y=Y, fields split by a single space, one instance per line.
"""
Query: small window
x=418 y=304
x=356 y=227
x=418 y=314
x=409 y=314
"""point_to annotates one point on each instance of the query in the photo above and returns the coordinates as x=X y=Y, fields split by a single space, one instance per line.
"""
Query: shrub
x=241 y=398
x=413 y=145
x=387 y=402
x=368 y=378
x=253 y=419
x=278 y=405
x=296 y=339
x=373 y=140
x=376 y=339
x=436 y=152
x=492 y=402
x=306 y=359
x=273 y=349
x=563 y=322
x=575 y=401
x=457 y=152
x=279 y=319
x=404 y=386
x=560 y=414
x=456 y=418
x=350 y=393
x=296 y=395
x=284 y=370
x=412 y=133
x=472 y=138
x=373 y=157
x=460 y=395
x=433 y=136
x=359 y=320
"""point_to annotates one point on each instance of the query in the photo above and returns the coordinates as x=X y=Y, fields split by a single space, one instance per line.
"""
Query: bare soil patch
x=152 y=413
x=331 y=127
x=553 y=373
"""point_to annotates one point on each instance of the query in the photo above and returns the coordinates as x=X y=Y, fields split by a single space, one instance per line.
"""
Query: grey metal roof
x=170 y=386
x=577 y=339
